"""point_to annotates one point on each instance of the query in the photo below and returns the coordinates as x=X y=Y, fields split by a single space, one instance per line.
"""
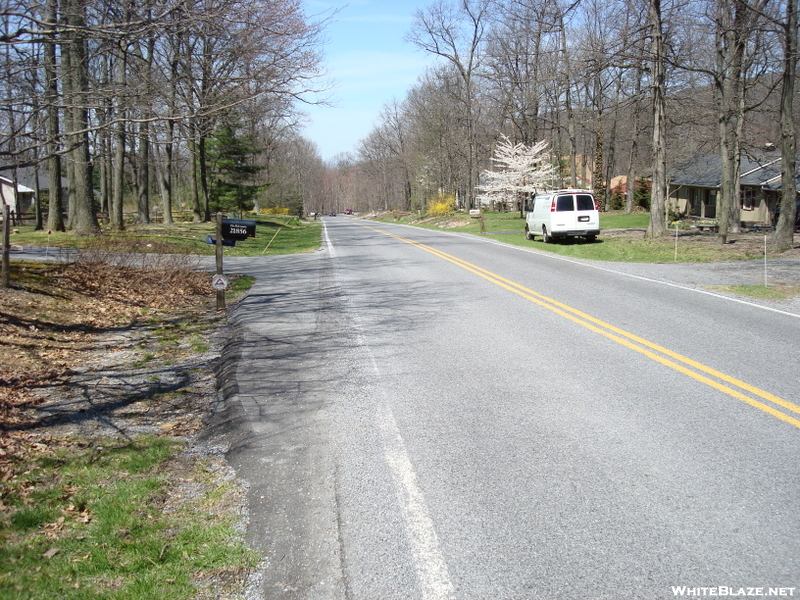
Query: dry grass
x=53 y=313
x=73 y=493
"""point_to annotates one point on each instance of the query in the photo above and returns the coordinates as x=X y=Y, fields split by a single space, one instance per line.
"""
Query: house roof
x=25 y=176
x=760 y=170
x=701 y=171
x=20 y=188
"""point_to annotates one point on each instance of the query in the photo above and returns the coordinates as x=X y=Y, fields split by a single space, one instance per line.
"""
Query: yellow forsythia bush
x=274 y=210
x=441 y=206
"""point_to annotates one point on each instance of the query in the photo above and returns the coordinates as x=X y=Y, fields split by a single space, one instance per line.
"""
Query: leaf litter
x=83 y=359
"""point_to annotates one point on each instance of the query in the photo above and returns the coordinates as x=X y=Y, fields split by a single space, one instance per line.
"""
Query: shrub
x=641 y=196
x=641 y=193
x=617 y=201
x=441 y=206
x=274 y=210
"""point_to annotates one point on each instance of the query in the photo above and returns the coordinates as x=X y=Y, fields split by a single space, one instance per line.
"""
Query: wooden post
x=220 y=293
x=6 y=247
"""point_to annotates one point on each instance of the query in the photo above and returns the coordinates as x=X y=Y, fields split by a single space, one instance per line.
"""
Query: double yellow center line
x=722 y=382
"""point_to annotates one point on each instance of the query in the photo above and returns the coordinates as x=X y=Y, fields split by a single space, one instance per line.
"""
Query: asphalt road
x=423 y=415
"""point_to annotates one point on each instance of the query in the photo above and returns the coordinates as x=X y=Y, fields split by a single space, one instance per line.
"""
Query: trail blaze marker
x=219 y=282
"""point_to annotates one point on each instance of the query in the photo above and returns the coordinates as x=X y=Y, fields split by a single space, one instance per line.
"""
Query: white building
x=9 y=195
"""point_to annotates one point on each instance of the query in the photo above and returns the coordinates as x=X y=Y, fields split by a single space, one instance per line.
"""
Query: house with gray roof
x=17 y=197
x=694 y=187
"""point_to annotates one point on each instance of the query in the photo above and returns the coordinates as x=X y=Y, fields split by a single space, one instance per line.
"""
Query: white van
x=563 y=213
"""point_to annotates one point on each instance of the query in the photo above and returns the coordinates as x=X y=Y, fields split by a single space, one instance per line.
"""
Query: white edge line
x=434 y=578
x=429 y=563
x=599 y=268
x=327 y=239
x=642 y=278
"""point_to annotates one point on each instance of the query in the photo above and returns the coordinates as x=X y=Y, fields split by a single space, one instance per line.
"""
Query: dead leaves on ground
x=52 y=316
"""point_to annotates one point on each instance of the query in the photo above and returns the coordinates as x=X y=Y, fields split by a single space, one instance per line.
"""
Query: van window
x=564 y=203
x=585 y=202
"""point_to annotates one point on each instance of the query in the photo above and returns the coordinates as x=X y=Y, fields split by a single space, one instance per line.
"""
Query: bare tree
x=76 y=80
x=784 y=230
x=455 y=32
x=136 y=74
x=437 y=134
x=632 y=68
x=735 y=23
x=523 y=40
x=116 y=216
x=657 y=226
x=566 y=68
x=384 y=154
x=55 y=207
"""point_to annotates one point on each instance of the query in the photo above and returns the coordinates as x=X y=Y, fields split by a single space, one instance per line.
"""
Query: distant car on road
x=331 y=214
x=348 y=212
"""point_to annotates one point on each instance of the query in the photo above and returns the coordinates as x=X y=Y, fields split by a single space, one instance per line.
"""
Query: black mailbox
x=238 y=229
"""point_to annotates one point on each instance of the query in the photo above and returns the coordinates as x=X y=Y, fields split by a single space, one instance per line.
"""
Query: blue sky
x=370 y=65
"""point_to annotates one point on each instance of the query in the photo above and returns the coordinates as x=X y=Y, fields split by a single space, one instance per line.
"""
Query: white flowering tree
x=520 y=169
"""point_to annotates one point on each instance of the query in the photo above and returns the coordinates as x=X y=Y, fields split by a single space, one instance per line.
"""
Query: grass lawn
x=274 y=235
x=621 y=238
x=94 y=520
x=126 y=517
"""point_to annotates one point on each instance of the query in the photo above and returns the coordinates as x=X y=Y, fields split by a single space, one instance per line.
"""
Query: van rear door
x=586 y=212
x=564 y=216
x=575 y=214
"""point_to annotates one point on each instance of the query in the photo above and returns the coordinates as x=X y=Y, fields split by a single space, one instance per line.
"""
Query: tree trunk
x=630 y=190
x=165 y=178
x=102 y=163
x=84 y=219
x=117 y=199
x=598 y=181
x=657 y=227
x=37 y=194
x=117 y=218
x=55 y=206
x=197 y=209
x=573 y=138
x=728 y=206
x=164 y=186
x=143 y=176
x=732 y=37
x=784 y=231
x=145 y=55
x=201 y=157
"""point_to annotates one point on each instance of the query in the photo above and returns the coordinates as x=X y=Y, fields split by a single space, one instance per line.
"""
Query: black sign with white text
x=238 y=229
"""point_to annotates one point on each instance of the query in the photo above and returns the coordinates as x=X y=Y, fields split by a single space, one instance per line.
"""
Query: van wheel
x=546 y=236
x=591 y=238
x=528 y=234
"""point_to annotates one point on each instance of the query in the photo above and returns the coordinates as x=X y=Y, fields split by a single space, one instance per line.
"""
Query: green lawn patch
x=96 y=520
x=274 y=235
x=624 y=240
x=764 y=292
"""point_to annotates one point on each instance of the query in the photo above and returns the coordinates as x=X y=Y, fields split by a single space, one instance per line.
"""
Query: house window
x=748 y=196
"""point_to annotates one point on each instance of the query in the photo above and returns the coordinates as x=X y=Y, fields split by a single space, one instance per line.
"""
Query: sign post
x=220 y=292
x=229 y=231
